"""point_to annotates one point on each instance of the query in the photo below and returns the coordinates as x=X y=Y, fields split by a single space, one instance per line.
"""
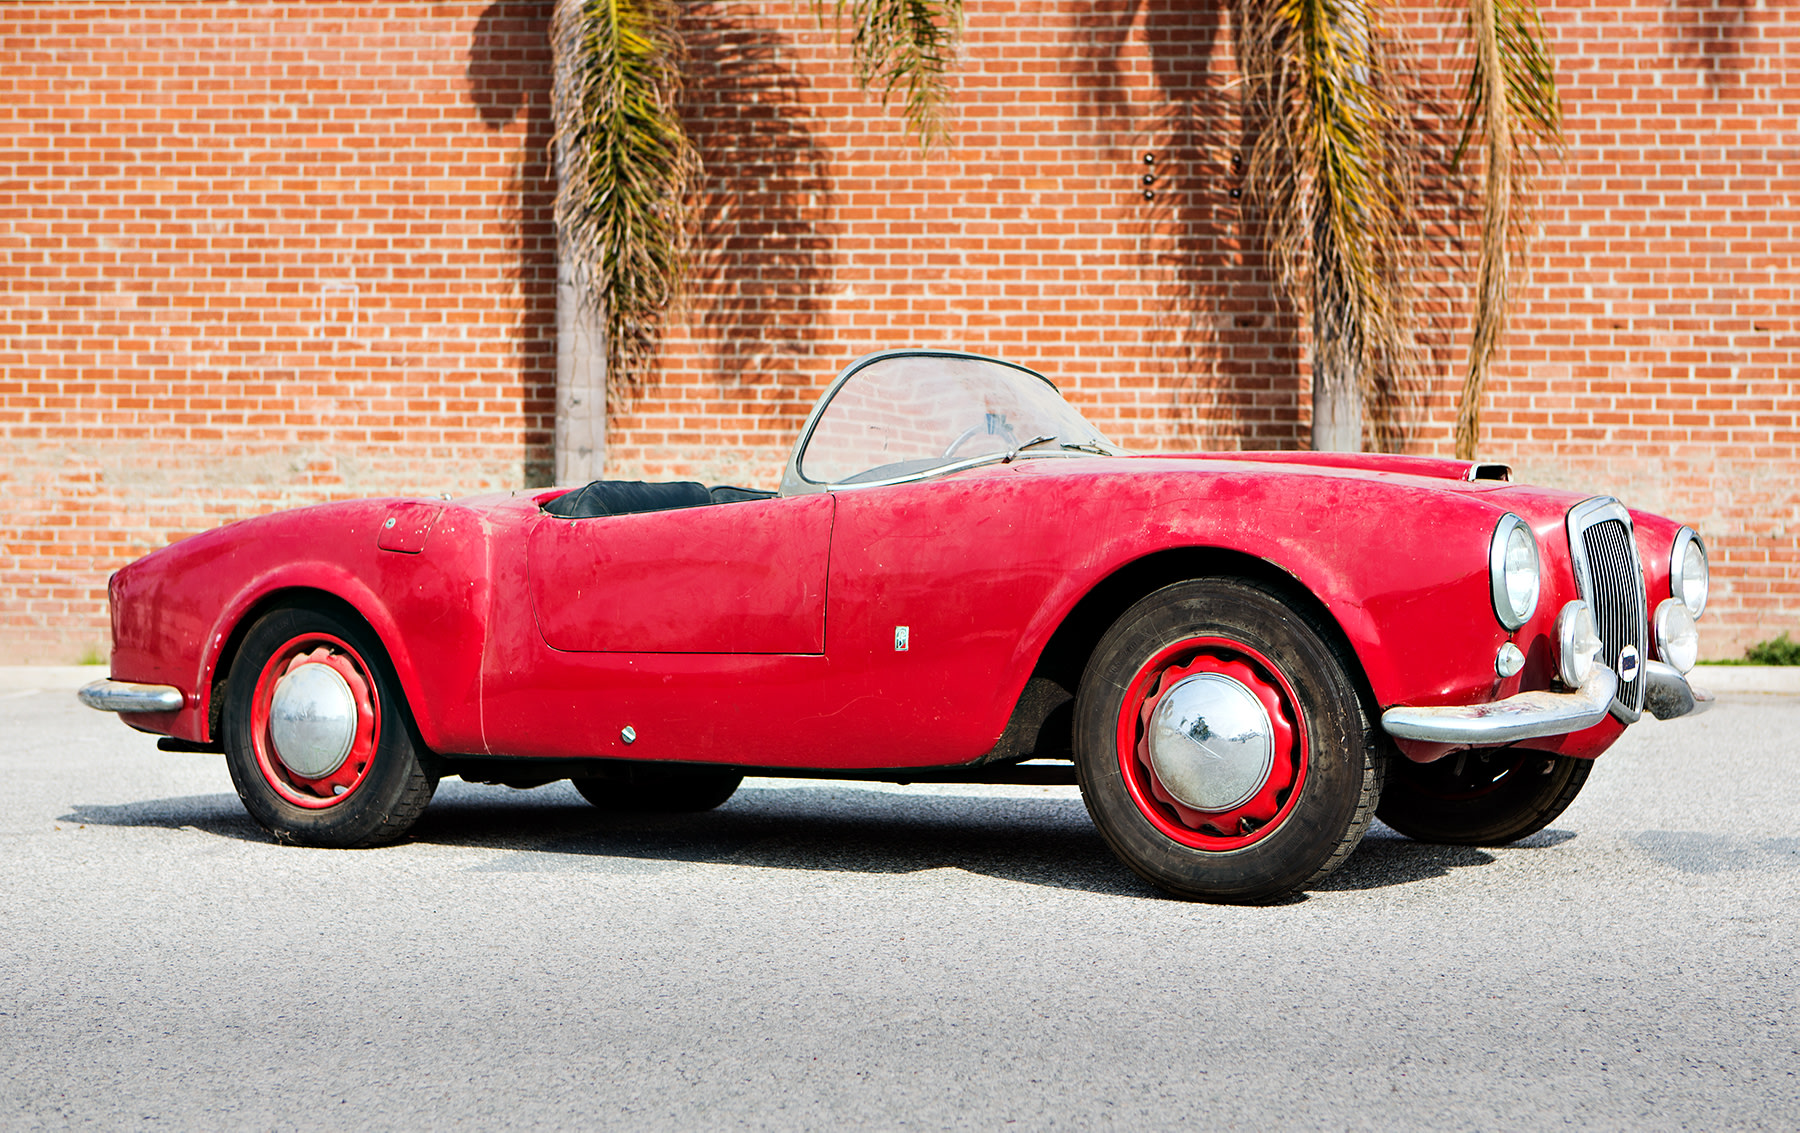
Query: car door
x=744 y=577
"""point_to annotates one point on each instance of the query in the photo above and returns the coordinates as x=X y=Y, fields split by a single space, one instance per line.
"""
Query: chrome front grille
x=1611 y=581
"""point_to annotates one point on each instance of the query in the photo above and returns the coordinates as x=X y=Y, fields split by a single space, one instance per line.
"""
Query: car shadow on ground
x=1387 y=858
x=1040 y=841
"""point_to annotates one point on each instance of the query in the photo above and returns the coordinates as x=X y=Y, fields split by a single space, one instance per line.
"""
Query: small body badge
x=902 y=638
x=1628 y=664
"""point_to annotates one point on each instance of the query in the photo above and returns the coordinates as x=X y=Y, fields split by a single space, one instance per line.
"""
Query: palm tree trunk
x=1337 y=407
x=580 y=434
x=1337 y=348
x=578 y=442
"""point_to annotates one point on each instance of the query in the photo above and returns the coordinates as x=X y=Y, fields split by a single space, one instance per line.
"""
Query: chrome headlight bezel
x=1682 y=576
x=1513 y=610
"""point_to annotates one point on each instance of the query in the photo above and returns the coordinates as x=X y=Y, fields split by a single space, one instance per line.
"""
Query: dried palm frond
x=625 y=166
x=907 y=45
x=1331 y=176
x=1512 y=111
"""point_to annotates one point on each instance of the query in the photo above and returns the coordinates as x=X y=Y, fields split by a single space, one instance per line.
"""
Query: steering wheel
x=963 y=437
x=992 y=425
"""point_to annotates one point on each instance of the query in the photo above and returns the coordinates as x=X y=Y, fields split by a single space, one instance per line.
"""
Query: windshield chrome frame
x=793 y=483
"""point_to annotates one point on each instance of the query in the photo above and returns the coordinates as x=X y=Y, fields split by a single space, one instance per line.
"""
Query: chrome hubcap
x=312 y=720
x=1211 y=742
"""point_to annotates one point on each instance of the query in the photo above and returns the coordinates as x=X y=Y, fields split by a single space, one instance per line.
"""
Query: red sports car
x=1240 y=657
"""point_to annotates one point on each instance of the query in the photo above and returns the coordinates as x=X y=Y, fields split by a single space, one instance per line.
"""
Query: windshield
x=906 y=415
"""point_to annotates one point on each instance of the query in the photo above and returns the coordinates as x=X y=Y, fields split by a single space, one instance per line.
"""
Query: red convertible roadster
x=1240 y=657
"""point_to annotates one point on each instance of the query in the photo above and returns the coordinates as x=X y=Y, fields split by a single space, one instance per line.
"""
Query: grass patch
x=1775 y=651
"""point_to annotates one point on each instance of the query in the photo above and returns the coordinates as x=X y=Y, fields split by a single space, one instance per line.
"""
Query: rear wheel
x=647 y=788
x=1220 y=745
x=1481 y=798
x=316 y=734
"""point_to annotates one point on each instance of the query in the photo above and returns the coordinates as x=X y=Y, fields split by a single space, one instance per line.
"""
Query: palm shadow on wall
x=509 y=79
x=1239 y=344
x=1221 y=323
x=765 y=246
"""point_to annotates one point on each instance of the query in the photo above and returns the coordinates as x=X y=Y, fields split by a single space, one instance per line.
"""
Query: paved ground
x=815 y=955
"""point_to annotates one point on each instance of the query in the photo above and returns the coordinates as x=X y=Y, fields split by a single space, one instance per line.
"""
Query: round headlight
x=1688 y=574
x=1513 y=571
x=1677 y=638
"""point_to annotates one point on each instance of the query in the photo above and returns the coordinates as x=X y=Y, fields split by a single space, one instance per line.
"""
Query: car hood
x=1478 y=474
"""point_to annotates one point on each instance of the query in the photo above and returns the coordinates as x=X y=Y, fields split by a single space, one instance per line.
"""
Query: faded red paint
x=982 y=566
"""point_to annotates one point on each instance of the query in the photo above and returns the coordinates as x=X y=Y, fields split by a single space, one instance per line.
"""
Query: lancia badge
x=1628 y=664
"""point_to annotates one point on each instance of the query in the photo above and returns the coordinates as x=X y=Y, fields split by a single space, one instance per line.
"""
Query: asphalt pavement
x=815 y=955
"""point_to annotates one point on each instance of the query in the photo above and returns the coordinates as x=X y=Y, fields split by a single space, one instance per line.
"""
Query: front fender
x=177 y=612
x=1399 y=562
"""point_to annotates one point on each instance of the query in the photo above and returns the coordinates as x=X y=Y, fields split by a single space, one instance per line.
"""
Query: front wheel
x=1220 y=745
x=1482 y=797
x=316 y=734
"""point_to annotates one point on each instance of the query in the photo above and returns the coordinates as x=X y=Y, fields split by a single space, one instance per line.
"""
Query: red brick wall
x=262 y=255
x=258 y=256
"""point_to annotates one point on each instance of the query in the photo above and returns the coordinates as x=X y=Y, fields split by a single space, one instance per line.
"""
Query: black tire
x=384 y=786
x=1332 y=765
x=651 y=788
x=1482 y=797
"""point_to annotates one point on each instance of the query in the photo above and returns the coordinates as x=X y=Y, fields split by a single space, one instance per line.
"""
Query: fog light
x=1509 y=660
x=1577 y=644
x=1677 y=638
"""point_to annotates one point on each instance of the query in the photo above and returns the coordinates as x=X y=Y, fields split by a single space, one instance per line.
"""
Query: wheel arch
x=296 y=595
x=1071 y=645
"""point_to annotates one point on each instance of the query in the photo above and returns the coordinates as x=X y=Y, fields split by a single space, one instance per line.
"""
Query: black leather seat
x=628 y=497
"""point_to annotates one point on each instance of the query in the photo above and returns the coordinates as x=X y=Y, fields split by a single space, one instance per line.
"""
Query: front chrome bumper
x=1668 y=694
x=125 y=696
x=1532 y=714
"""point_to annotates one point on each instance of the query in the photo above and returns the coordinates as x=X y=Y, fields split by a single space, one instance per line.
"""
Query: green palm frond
x=905 y=45
x=1331 y=174
x=1513 y=113
x=626 y=166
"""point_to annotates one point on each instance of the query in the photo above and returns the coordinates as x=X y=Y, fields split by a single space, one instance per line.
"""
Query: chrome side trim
x=1667 y=693
x=124 y=696
x=1522 y=717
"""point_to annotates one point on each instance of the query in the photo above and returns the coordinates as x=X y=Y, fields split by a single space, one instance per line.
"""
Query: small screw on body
x=628 y=734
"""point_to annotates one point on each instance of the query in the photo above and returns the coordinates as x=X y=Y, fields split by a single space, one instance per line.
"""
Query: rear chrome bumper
x=125 y=696
x=1532 y=714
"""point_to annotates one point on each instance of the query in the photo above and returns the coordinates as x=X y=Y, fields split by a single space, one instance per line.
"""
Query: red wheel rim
x=1273 y=800
x=331 y=789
